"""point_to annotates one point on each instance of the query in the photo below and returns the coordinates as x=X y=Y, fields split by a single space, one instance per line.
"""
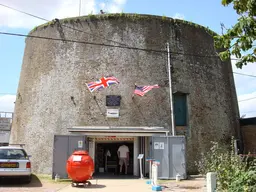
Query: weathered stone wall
x=53 y=71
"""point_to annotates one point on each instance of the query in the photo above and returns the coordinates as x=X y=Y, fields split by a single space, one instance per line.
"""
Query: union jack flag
x=102 y=83
x=142 y=90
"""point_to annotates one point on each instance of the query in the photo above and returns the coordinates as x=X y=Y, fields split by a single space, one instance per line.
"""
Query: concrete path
x=112 y=185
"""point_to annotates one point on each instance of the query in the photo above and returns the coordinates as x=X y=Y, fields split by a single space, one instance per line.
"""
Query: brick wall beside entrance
x=249 y=135
x=248 y=132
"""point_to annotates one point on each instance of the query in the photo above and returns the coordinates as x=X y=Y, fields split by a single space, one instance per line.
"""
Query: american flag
x=142 y=90
x=102 y=83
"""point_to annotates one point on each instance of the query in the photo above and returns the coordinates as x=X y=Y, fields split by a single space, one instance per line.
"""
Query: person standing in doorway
x=123 y=156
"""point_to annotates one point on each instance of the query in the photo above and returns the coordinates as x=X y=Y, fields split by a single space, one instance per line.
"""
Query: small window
x=180 y=109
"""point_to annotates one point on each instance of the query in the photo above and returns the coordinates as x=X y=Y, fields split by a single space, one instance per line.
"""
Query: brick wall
x=249 y=138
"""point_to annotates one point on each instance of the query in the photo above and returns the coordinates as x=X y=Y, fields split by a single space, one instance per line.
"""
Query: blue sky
x=205 y=12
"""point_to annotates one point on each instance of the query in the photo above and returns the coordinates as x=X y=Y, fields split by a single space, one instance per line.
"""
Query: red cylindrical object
x=80 y=166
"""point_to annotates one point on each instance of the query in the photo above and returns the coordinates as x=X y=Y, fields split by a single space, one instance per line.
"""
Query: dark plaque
x=113 y=100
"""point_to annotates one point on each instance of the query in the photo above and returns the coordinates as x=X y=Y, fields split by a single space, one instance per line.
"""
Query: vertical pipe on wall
x=143 y=152
x=170 y=89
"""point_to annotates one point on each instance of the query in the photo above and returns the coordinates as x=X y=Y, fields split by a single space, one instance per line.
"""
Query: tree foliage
x=240 y=39
x=234 y=173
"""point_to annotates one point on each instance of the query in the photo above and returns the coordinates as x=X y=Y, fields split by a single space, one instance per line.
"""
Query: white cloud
x=49 y=10
x=113 y=9
x=247 y=104
x=179 y=16
x=246 y=89
x=245 y=84
x=119 y=2
x=115 y=6
x=102 y=5
x=7 y=103
x=70 y=8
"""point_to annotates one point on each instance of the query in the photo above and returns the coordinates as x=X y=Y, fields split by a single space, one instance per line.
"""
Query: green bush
x=233 y=174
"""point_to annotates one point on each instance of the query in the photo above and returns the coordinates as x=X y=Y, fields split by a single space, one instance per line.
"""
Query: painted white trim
x=116 y=127
x=118 y=131
x=118 y=134
x=92 y=149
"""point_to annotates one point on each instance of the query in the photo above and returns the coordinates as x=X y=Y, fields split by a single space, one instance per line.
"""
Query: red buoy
x=80 y=167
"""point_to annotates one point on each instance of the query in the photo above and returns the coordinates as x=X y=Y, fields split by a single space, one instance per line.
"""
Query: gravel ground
x=193 y=184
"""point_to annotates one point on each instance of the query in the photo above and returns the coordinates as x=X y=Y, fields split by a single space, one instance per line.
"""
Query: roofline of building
x=133 y=16
x=248 y=121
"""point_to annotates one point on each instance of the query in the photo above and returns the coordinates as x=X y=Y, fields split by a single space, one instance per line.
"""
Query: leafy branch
x=240 y=39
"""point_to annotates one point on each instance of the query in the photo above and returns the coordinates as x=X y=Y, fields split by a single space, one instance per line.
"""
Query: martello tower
x=54 y=71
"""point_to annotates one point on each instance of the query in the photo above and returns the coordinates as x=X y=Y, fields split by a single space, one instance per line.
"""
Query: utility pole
x=80 y=7
x=170 y=90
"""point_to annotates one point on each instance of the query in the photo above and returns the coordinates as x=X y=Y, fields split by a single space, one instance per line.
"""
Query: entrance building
x=103 y=144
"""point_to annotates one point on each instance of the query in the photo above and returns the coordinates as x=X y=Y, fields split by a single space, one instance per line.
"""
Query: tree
x=240 y=39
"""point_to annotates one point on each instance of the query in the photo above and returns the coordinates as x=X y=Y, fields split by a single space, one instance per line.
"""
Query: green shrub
x=233 y=174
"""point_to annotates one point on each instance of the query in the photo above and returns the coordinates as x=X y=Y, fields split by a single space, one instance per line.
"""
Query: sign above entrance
x=112 y=113
x=114 y=138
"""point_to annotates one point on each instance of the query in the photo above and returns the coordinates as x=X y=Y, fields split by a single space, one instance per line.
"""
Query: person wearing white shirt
x=123 y=156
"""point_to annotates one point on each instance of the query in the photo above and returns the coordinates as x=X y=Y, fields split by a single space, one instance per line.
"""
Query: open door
x=63 y=147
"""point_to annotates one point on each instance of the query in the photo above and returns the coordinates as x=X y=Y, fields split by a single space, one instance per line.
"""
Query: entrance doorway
x=106 y=158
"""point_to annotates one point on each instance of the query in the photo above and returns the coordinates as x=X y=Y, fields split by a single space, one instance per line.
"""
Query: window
x=180 y=109
x=12 y=154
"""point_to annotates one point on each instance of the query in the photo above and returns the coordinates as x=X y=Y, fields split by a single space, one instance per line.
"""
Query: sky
x=209 y=13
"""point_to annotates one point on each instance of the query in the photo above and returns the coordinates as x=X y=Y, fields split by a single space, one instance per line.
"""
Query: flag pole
x=170 y=90
x=133 y=92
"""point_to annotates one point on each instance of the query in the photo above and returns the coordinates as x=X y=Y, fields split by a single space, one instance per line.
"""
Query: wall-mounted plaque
x=112 y=113
x=113 y=100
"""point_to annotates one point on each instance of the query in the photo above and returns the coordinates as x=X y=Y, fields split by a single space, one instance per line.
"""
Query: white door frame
x=135 y=155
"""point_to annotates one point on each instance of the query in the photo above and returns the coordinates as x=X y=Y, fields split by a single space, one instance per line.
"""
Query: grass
x=49 y=179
